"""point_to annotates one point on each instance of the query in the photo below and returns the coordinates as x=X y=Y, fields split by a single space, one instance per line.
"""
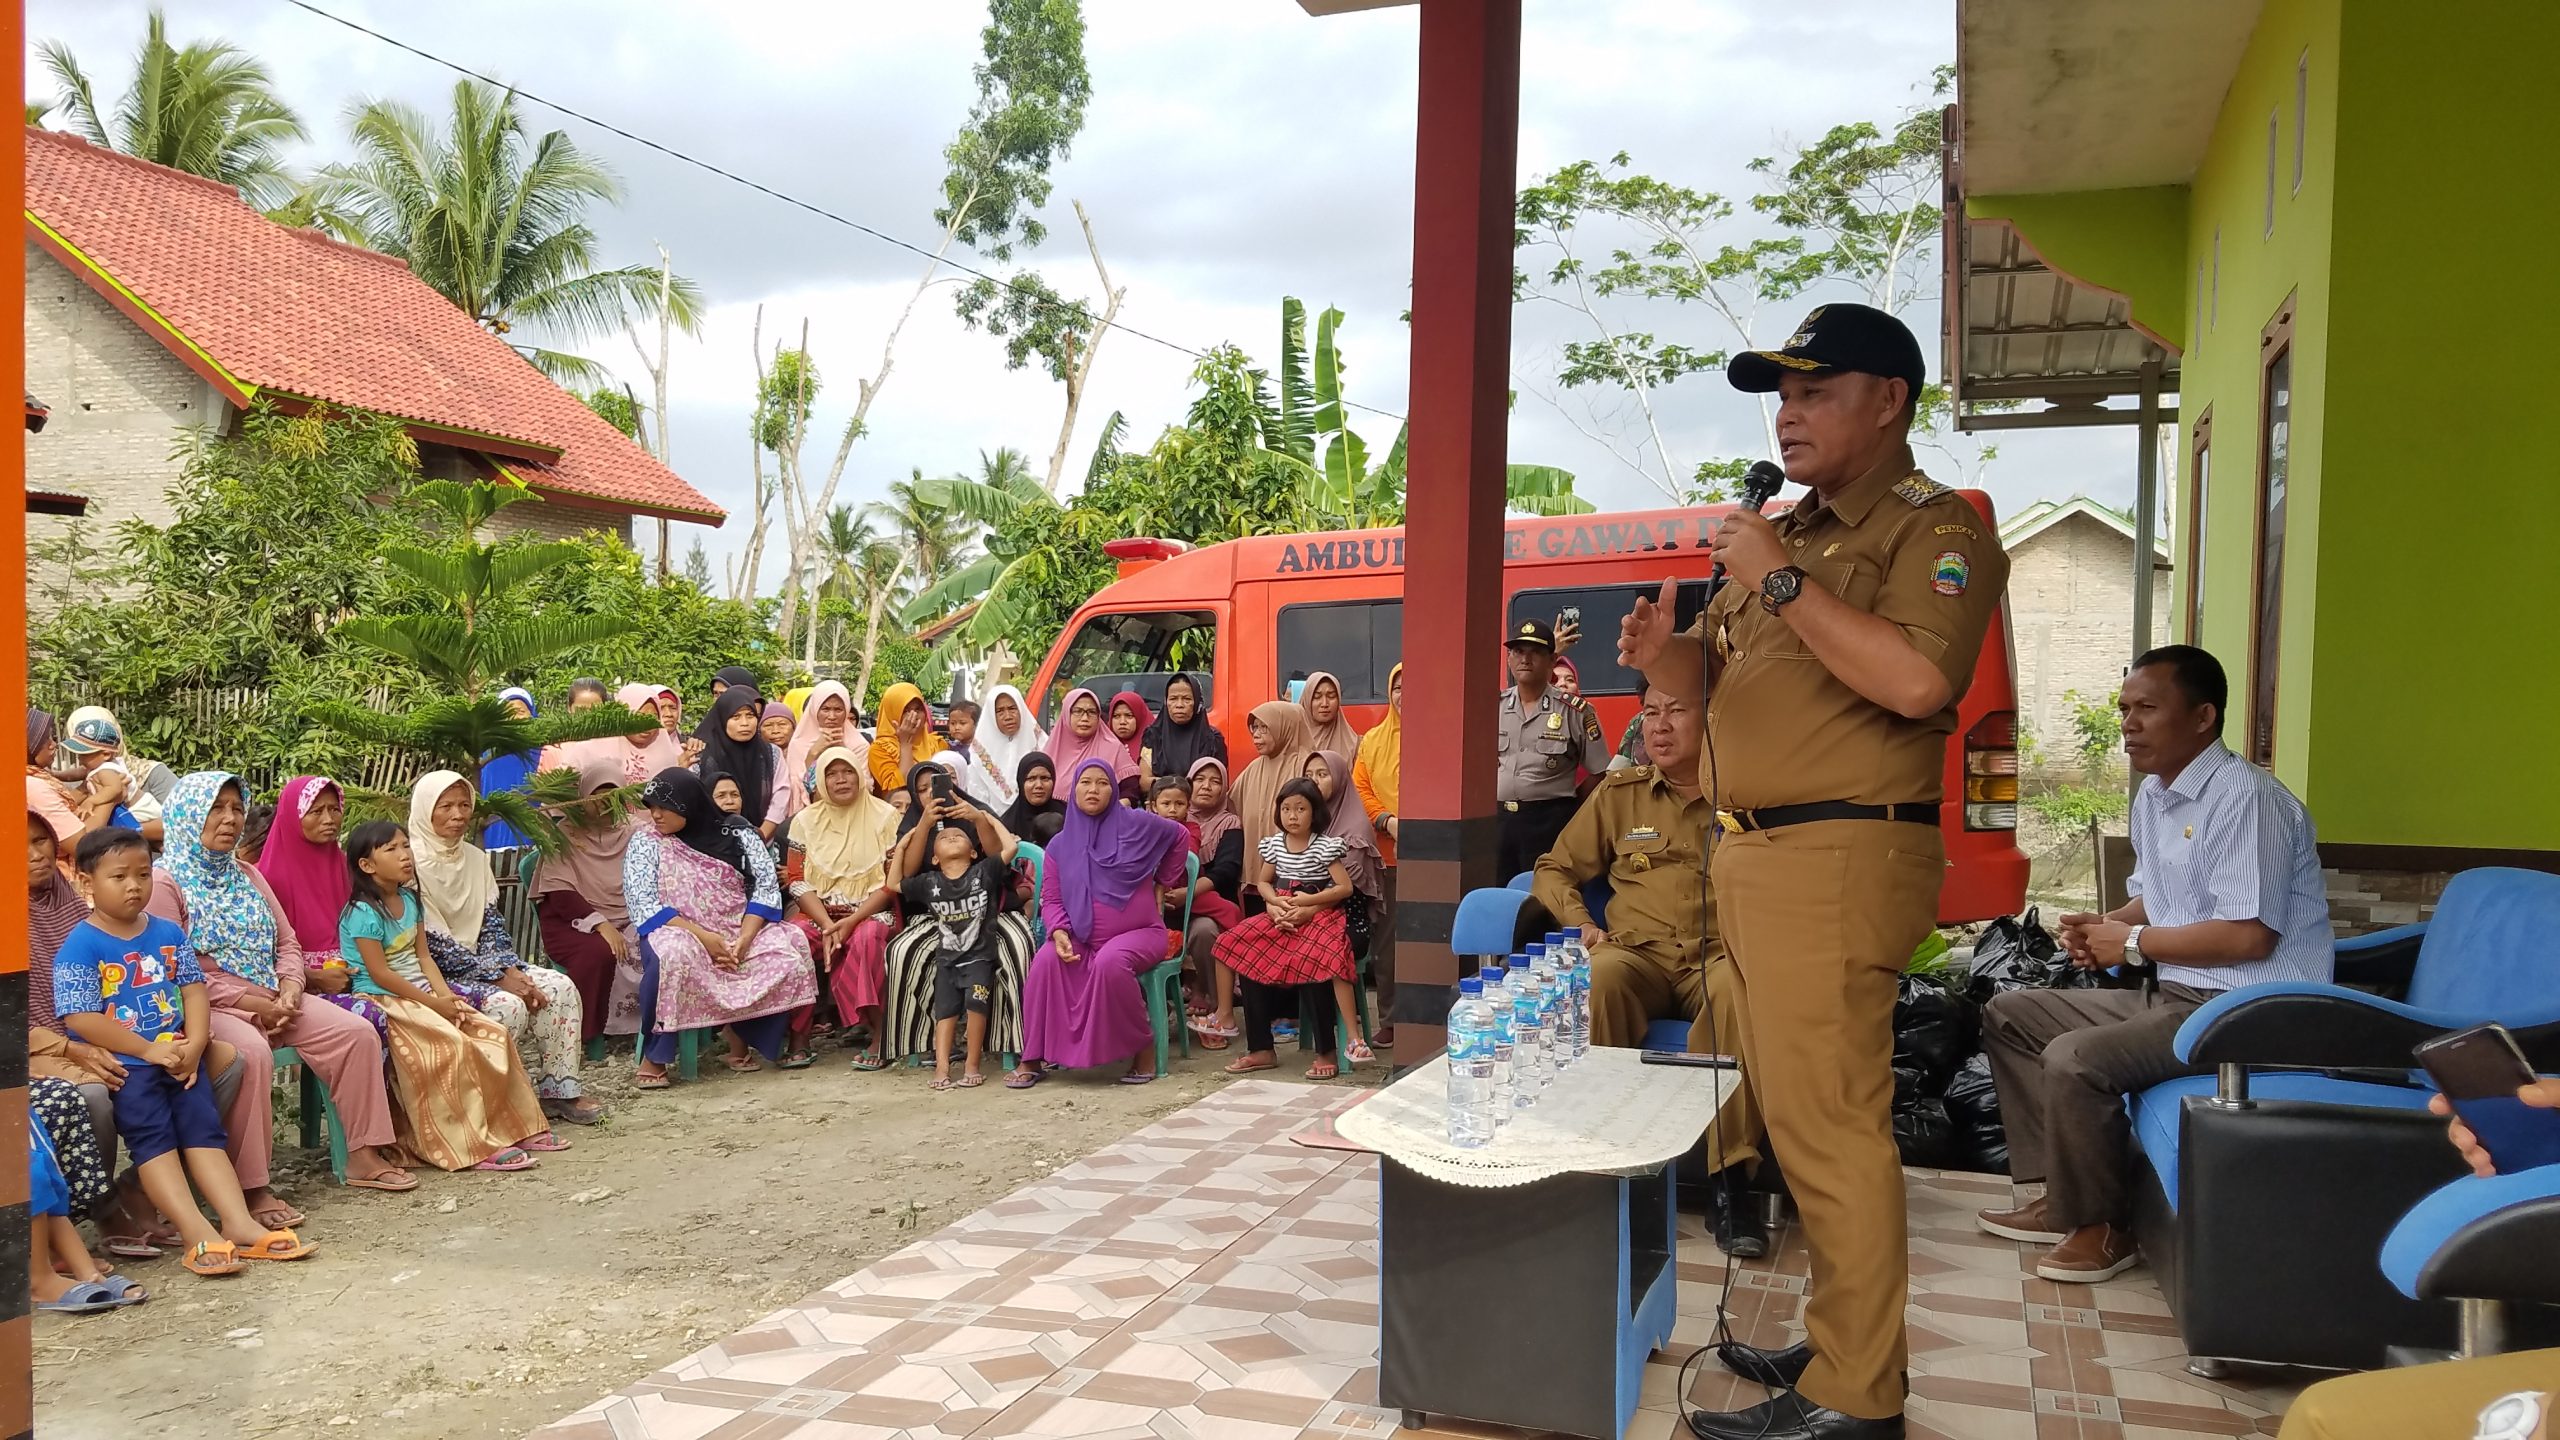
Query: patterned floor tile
x=1207 y=1279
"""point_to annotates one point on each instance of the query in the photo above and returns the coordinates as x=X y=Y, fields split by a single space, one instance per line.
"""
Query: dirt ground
x=488 y=1305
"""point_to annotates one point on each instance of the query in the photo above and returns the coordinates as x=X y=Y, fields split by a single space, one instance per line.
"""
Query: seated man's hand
x=2541 y=1094
x=1594 y=937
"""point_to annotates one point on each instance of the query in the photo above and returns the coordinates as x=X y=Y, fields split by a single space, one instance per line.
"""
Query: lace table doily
x=1609 y=1114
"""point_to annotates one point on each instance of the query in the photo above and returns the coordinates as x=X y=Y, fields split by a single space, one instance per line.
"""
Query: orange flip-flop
x=212 y=1259
x=278 y=1245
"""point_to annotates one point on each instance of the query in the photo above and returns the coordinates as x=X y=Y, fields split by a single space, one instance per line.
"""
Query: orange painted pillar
x=17 y=1355
x=1465 y=177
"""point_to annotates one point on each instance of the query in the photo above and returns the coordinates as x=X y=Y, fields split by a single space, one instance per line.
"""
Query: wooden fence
x=208 y=711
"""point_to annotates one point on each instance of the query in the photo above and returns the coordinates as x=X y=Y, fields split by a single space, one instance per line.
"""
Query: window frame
x=1045 y=708
x=1377 y=676
x=2199 y=495
x=2266 y=631
x=1637 y=589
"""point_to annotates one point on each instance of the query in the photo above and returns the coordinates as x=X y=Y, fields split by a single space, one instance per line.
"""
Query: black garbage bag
x=1934 y=1029
x=1971 y=1095
x=2015 y=952
x=1981 y=1145
x=1906 y=1084
x=1924 y=1134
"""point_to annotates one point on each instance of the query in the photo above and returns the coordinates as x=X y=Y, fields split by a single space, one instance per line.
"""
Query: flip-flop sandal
x=938 y=1083
x=968 y=1082
x=1023 y=1079
x=132 y=1247
x=568 y=1110
x=124 y=1290
x=1385 y=1039
x=402 y=1186
x=278 y=1245
x=797 y=1060
x=212 y=1259
x=1147 y=1079
x=545 y=1143
x=510 y=1159
x=1322 y=1071
x=1359 y=1053
x=742 y=1065
x=86 y=1298
x=1214 y=1042
x=869 y=1063
x=659 y=1081
x=1245 y=1066
x=279 y=1216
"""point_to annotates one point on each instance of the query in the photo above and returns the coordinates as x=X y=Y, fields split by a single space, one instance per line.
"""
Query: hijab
x=502 y=773
x=917 y=775
x=708 y=830
x=1382 y=753
x=1137 y=704
x=1019 y=817
x=807 y=741
x=1175 y=749
x=895 y=702
x=1101 y=860
x=1071 y=753
x=844 y=849
x=1258 y=788
x=1004 y=751
x=591 y=866
x=1337 y=736
x=453 y=875
x=635 y=763
x=1347 y=820
x=309 y=879
x=228 y=919
x=734 y=676
x=751 y=762
x=54 y=910
x=1215 y=824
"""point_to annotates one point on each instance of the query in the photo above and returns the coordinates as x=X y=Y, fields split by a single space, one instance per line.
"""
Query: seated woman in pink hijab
x=1102 y=905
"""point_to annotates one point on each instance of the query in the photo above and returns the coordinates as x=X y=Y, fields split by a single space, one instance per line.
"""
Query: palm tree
x=209 y=109
x=492 y=218
x=854 y=562
x=932 y=535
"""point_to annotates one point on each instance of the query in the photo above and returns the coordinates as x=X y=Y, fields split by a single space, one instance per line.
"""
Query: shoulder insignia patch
x=1966 y=531
x=1949 y=572
x=1919 y=489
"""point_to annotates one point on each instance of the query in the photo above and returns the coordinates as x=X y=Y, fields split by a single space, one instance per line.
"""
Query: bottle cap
x=1555 y=938
x=1471 y=986
x=1519 y=962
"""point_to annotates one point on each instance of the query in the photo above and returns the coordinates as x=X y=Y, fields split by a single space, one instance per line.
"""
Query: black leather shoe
x=1742 y=1229
x=1789 y=1416
x=1777 y=1369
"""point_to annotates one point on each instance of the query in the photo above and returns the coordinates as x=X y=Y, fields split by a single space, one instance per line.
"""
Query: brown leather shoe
x=2091 y=1254
x=2028 y=1224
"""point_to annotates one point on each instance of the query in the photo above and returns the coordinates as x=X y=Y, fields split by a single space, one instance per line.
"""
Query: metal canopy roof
x=2019 y=331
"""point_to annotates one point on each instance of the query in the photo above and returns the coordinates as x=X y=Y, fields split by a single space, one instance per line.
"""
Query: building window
x=1356 y=641
x=2199 y=495
x=2195 y=337
x=2301 y=115
x=2266 y=607
x=1137 y=652
x=1599 y=609
x=2271 y=173
x=2213 y=296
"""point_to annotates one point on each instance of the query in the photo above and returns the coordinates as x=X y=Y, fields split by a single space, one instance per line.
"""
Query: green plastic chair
x=319 y=1114
x=1162 y=984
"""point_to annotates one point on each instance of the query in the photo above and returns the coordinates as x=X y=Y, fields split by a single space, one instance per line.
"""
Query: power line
x=1082 y=315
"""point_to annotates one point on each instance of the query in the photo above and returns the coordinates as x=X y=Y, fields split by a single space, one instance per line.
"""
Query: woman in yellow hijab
x=906 y=736
x=1378 y=774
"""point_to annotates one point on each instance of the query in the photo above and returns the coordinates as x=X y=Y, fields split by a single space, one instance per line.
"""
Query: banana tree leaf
x=949 y=593
x=1328 y=374
x=1297 y=398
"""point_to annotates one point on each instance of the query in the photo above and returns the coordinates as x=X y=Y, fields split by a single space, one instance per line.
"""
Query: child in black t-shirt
x=947 y=872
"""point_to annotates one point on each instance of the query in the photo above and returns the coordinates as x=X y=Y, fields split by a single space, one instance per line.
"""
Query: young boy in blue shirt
x=127 y=982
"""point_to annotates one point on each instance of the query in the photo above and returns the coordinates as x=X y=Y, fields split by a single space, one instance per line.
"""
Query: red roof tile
x=275 y=308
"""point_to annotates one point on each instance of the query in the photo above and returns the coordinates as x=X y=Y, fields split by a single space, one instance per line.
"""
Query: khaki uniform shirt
x=1540 y=748
x=1783 y=730
x=1652 y=845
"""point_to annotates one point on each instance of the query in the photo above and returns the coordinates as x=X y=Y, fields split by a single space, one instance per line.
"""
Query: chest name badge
x=1948 y=573
x=1643 y=832
x=1555 y=722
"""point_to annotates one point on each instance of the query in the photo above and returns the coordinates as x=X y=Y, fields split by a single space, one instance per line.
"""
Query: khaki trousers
x=1821 y=919
x=2422 y=1402
x=1635 y=984
x=2063 y=1061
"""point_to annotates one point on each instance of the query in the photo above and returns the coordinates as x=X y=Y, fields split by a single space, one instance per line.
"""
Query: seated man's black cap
x=1835 y=340
x=1531 y=632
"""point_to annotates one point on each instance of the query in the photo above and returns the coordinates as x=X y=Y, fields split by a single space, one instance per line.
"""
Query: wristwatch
x=2133 y=947
x=2511 y=1417
x=1780 y=587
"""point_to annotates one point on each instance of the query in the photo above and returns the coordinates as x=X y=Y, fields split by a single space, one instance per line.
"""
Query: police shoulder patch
x=1919 y=489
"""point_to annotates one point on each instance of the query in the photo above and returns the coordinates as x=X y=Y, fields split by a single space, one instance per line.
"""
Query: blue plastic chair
x=1489 y=927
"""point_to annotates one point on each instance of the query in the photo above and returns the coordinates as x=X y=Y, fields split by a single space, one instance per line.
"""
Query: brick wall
x=557 y=519
x=2071 y=617
x=120 y=404
x=2363 y=901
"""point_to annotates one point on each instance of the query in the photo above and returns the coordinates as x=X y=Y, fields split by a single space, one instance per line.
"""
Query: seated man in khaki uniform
x=1645 y=828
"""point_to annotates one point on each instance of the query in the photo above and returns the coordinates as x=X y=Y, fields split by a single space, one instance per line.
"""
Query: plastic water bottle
x=1471 y=1117
x=1548 y=970
x=1498 y=1015
x=1531 y=1044
x=1577 y=974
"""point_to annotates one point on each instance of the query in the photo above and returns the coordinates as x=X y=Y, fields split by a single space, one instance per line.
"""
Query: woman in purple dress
x=1101 y=903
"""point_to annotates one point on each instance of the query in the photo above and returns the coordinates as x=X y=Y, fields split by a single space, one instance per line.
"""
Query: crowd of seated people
x=960 y=884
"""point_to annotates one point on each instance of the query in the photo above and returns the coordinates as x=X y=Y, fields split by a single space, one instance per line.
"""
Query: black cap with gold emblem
x=1531 y=632
x=1835 y=340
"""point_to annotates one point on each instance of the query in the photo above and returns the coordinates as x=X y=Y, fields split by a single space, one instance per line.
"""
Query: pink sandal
x=545 y=1143
x=510 y=1159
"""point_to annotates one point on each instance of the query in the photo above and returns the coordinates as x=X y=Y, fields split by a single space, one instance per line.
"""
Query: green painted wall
x=2438 y=614
x=2127 y=241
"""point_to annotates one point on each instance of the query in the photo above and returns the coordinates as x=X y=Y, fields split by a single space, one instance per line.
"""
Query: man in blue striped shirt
x=2226 y=892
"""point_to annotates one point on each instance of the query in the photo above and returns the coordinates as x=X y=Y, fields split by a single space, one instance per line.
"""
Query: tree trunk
x=799 y=527
x=1080 y=369
x=871 y=634
x=742 y=585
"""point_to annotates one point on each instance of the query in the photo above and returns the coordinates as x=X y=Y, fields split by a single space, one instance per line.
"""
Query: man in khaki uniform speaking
x=1834 y=660
x=1659 y=958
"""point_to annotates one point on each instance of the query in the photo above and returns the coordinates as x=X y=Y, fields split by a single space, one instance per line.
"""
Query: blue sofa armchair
x=2486 y=1244
x=2270 y=1194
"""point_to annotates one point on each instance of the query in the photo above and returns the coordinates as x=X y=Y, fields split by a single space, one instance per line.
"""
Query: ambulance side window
x=1357 y=641
x=1140 y=652
x=1595 y=658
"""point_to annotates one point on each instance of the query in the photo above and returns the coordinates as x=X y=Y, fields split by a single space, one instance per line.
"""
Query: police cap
x=1835 y=340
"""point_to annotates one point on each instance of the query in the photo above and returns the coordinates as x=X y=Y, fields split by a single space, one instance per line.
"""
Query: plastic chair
x=319 y=1114
x=1161 y=984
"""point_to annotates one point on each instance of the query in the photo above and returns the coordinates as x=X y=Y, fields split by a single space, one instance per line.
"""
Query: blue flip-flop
x=124 y=1290
x=86 y=1298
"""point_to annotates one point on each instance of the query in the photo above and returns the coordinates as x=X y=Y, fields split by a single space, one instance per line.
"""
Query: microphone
x=1760 y=485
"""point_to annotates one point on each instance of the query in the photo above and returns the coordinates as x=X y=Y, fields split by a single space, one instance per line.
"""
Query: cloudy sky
x=1235 y=151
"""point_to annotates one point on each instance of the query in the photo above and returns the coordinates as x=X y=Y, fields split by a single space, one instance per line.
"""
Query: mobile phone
x=1688 y=1060
x=2480 y=1070
x=1572 y=615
